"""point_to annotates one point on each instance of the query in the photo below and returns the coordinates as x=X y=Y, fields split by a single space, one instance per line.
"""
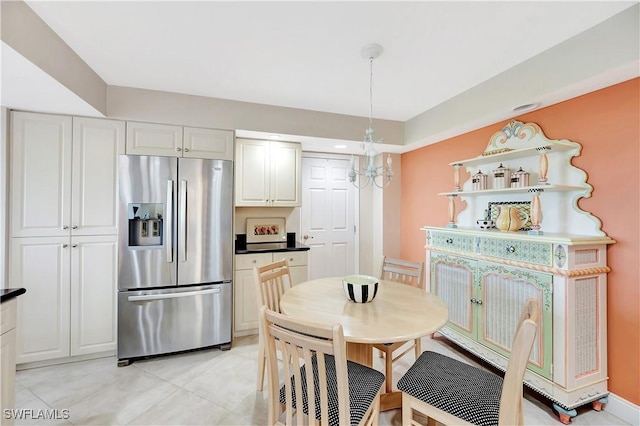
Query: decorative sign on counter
x=266 y=230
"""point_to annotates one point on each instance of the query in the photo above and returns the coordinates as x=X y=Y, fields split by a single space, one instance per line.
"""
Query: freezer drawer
x=153 y=322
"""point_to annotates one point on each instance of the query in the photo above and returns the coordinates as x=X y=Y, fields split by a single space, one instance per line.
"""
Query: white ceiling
x=307 y=54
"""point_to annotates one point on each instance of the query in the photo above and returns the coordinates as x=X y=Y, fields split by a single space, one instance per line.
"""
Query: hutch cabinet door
x=504 y=291
x=453 y=281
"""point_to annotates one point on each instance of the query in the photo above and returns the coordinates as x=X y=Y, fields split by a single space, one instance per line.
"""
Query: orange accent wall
x=607 y=124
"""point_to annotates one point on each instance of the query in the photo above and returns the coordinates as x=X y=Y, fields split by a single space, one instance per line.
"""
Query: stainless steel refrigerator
x=175 y=255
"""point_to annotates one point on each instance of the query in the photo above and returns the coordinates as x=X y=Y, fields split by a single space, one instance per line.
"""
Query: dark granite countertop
x=7 y=294
x=271 y=248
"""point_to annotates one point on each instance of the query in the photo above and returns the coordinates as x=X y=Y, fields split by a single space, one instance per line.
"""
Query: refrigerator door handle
x=182 y=230
x=152 y=297
x=168 y=232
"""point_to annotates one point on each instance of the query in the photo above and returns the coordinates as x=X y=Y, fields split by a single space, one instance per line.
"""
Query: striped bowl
x=360 y=288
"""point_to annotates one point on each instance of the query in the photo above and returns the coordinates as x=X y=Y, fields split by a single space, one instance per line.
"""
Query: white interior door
x=328 y=216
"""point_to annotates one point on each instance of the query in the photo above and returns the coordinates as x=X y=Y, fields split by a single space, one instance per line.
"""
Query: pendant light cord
x=371 y=93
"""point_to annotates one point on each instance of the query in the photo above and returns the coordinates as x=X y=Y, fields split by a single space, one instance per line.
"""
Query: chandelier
x=371 y=174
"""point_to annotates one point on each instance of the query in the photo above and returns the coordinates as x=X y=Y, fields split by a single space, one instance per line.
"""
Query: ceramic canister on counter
x=501 y=177
x=479 y=181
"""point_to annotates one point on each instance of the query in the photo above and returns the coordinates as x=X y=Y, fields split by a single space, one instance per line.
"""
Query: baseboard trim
x=623 y=409
x=64 y=360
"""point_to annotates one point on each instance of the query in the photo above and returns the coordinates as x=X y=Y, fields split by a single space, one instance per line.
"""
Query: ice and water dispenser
x=145 y=224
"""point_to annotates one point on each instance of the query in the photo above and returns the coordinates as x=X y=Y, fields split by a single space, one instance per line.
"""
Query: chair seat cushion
x=463 y=390
x=364 y=384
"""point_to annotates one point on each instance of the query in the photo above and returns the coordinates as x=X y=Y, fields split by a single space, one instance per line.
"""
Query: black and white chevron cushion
x=461 y=389
x=364 y=384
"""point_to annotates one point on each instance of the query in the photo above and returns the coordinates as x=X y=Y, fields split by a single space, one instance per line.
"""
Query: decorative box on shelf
x=549 y=249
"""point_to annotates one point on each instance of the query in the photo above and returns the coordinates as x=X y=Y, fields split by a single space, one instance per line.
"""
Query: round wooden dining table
x=399 y=312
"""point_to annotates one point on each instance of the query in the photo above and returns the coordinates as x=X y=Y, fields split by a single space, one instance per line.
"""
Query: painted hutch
x=557 y=255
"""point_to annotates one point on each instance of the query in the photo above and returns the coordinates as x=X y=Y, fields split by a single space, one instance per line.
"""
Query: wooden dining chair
x=272 y=281
x=315 y=376
x=409 y=273
x=453 y=392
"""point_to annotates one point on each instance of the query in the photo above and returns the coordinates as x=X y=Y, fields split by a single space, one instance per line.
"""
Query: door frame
x=356 y=219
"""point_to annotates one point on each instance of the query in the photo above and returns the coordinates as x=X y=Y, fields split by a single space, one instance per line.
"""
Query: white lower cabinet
x=69 y=306
x=7 y=357
x=245 y=295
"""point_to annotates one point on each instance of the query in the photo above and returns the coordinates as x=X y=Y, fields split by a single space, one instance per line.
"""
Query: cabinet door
x=7 y=356
x=93 y=294
x=246 y=301
x=154 y=139
x=453 y=281
x=504 y=290
x=40 y=175
x=208 y=143
x=299 y=274
x=42 y=267
x=252 y=173
x=96 y=144
x=285 y=189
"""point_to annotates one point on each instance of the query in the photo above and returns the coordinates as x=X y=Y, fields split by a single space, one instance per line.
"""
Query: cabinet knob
x=65 y=227
x=510 y=249
x=74 y=245
x=74 y=227
x=253 y=261
x=178 y=149
x=65 y=245
x=291 y=259
x=186 y=150
x=449 y=241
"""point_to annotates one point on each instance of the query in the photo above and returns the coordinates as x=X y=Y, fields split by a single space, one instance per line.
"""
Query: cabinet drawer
x=8 y=315
x=523 y=251
x=295 y=258
x=449 y=240
x=249 y=261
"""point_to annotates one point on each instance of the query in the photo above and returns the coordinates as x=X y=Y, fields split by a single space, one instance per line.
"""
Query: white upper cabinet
x=268 y=174
x=96 y=145
x=63 y=174
x=208 y=143
x=154 y=139
x=178 y=141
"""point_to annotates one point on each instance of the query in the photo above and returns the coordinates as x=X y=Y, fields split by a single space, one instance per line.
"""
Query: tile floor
x=207 y=387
